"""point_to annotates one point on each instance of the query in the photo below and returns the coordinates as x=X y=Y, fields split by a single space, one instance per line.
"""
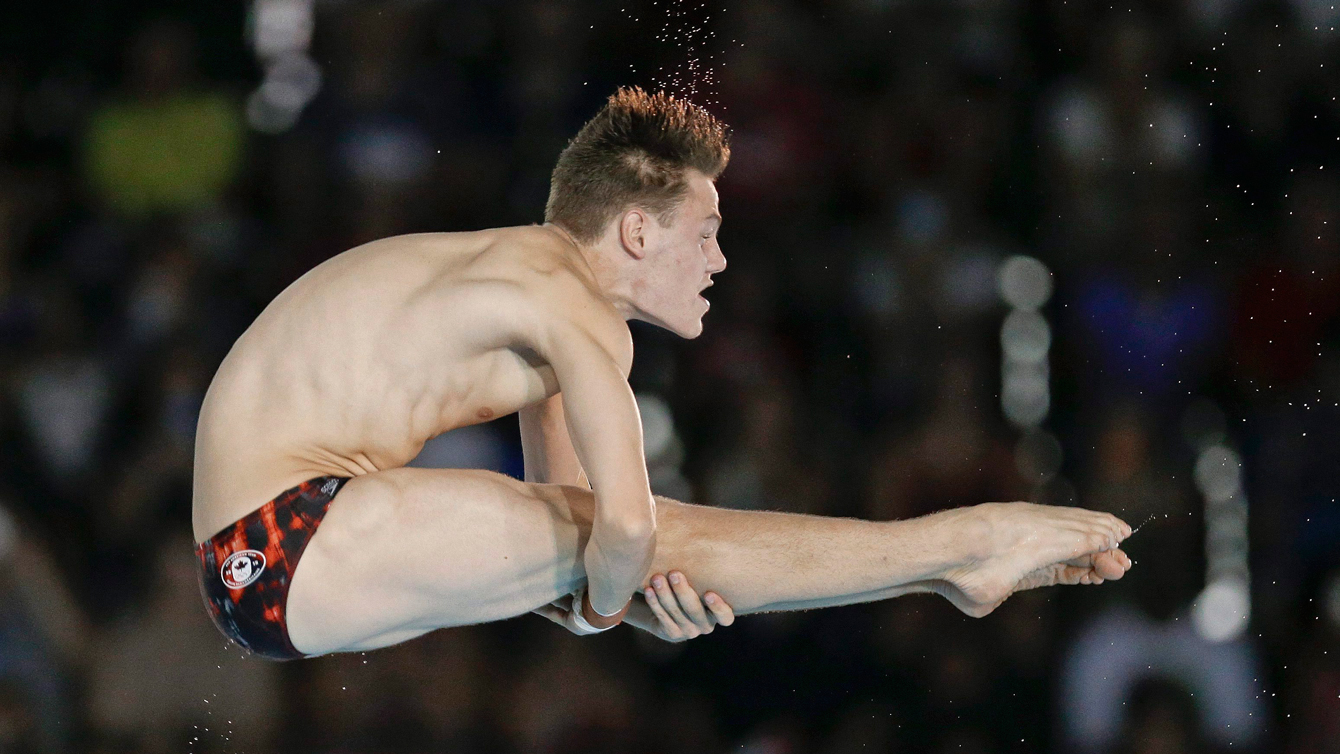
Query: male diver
x=338 y=383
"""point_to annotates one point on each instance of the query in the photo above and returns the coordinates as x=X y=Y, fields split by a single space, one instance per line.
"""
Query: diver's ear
x=633 y=228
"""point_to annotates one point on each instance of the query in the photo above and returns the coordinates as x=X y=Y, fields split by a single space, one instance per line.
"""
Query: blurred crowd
x=1173 y=163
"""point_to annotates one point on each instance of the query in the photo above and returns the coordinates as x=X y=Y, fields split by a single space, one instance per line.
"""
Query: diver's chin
x=687 y=323
x=689 y=327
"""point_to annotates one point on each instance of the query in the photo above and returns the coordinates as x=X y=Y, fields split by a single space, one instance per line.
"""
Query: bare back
x=353 y=367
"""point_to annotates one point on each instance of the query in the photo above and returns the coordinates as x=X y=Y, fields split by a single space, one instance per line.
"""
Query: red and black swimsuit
x=245 y=570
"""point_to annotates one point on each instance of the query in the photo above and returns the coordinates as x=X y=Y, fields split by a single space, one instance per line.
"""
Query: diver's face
x=681 y=260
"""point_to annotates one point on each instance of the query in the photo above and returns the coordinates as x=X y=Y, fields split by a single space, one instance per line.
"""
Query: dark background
x=1172 y=163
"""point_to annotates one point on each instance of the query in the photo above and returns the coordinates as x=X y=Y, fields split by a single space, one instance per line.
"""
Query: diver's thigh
x=404 y=551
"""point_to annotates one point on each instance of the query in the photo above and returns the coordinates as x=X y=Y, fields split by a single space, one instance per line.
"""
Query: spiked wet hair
x=633 y=153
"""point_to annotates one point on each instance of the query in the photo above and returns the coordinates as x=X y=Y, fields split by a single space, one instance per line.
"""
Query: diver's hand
x=566 y=610
x=669 y=611
x=673 y=612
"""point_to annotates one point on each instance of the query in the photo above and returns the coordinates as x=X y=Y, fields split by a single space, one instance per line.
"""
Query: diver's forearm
x=616 y=565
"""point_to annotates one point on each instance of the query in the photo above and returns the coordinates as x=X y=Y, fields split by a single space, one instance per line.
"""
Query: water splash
x=685 y=24
x=1152 y=517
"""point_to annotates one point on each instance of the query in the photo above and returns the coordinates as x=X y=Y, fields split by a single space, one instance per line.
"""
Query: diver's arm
x=606 y=433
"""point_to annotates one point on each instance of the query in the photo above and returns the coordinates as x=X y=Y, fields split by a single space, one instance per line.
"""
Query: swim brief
x=245 y=569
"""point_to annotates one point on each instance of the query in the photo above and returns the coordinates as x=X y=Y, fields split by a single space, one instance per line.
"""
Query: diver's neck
x=601 y=264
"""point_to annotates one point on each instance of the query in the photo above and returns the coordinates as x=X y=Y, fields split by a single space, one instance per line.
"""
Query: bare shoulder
x=535 y=285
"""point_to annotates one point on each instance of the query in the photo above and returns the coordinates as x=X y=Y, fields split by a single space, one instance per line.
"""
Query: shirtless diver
x=343 y=377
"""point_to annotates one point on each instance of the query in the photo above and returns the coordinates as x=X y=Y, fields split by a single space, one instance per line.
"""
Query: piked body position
x=315 y=537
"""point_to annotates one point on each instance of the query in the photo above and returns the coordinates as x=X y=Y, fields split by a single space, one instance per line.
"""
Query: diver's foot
x=1017 y=546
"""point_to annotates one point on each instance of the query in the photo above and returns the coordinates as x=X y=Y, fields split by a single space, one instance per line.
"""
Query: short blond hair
x=633 y=153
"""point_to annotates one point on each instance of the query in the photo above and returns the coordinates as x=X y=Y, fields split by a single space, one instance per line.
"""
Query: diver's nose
x=716 y=261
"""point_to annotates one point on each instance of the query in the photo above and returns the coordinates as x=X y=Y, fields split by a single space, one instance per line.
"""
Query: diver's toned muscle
x=314 y=537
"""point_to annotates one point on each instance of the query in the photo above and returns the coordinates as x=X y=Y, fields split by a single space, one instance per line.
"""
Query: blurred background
x=979 y=250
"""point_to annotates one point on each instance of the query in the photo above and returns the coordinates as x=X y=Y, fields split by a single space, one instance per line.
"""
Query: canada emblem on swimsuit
x=242 y=568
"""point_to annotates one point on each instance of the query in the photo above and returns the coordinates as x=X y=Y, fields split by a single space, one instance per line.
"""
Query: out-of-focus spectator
x=953 y=459
x=17 y=308
x=151 y=491
x=163 y=676
x=63 y=393
x=1119 y=648
x=1161 y=718
x=44 y=639
x=1288 y=301
x=541 y=714
x=871 y=726
x=778 y=736
x=1317 y=681
x=766 y=469
x=429 y=695
x=159 y=303
x=1147 y=323
x=1129 y=476
x=1114 y=131
x=166 y=143
x=1026 y=636
x=699 y=728
x=18 y=721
